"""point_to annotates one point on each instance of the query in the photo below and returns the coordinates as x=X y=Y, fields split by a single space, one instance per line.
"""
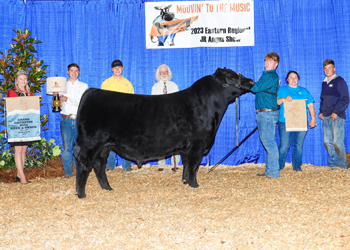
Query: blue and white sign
x=23 y=118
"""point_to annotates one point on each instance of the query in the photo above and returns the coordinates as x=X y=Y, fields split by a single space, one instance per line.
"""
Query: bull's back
x=114 y=111
x=183 y=114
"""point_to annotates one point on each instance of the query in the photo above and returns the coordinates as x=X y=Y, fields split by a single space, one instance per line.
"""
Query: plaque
x=295 y=115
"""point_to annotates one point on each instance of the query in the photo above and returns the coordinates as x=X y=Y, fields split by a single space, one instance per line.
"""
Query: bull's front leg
x=82 y=173
x=100 y=171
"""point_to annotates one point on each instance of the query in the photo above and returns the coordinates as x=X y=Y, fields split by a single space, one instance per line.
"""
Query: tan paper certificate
x=295 y=115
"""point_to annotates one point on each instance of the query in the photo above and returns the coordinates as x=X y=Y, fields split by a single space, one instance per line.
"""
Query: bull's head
x=164 y=12
x=228 y=77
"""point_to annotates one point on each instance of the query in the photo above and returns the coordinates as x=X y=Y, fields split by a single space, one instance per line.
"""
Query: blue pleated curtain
x=94 y=33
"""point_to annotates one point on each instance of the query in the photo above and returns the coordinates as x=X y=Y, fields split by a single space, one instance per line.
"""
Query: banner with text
x=23 y=118
x=199 y=24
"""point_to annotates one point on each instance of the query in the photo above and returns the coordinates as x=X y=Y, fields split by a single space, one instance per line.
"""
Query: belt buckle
x=72 y=117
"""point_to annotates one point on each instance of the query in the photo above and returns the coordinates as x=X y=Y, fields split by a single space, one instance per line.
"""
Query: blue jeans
x=69 y=134
x=334 y=135
x=162 y=39
x=285 y=141
x=267 y=129
x=111 y=162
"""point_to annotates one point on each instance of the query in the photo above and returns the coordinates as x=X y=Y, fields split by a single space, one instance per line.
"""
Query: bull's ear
x=220 y=74
x=157 y=8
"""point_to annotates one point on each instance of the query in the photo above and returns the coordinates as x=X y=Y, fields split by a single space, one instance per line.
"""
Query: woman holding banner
x=21 y=89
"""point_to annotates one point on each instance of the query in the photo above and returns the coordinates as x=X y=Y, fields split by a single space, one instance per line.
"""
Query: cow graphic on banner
x=23 y=118
x=166 y=26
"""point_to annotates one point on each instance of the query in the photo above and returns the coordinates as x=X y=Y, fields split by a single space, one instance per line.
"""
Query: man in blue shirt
x=334 y=101
x=267 y=113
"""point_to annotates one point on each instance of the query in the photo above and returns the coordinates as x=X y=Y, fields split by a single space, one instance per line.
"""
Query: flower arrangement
x=39 y=153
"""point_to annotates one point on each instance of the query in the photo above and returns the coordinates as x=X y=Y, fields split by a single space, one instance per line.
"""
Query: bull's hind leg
x=191 y=166
x=82 y=173
x=100 y=171
x=185 y=176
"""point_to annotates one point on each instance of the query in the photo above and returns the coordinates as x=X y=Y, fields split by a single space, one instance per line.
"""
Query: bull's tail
x=102 y=152
x=76 y=150
x=80 y=154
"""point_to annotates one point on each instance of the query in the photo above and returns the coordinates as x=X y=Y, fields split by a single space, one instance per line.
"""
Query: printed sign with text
x=199 y=24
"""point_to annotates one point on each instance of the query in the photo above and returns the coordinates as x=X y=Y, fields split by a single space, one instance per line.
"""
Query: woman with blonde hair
x=21 y=89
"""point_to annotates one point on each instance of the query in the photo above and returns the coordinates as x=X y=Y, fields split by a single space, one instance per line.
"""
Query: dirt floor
x=233 y=208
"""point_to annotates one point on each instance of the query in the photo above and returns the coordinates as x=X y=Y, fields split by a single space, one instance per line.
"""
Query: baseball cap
x=117 y=63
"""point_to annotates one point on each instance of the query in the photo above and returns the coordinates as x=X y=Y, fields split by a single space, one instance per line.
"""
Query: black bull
x=145 y=127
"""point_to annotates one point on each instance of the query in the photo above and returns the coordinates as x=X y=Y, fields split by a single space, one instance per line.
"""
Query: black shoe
x=26 y=183
x=261 y=174
x=19 y=180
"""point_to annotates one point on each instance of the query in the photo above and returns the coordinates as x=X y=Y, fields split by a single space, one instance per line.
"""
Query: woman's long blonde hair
x=22 y=72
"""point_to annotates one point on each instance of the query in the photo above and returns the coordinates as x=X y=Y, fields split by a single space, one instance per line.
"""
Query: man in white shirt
x=69 y=105
x=165 y=86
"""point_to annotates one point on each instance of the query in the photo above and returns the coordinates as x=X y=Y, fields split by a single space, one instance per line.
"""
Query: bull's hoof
x=81 y=196
x=184 y=182
x=109 y=189
x=193 y=185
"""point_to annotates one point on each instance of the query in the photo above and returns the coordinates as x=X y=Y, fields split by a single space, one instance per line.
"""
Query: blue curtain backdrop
x=94 y=33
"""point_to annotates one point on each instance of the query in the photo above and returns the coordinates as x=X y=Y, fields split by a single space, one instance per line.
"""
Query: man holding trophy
x=69 y=107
